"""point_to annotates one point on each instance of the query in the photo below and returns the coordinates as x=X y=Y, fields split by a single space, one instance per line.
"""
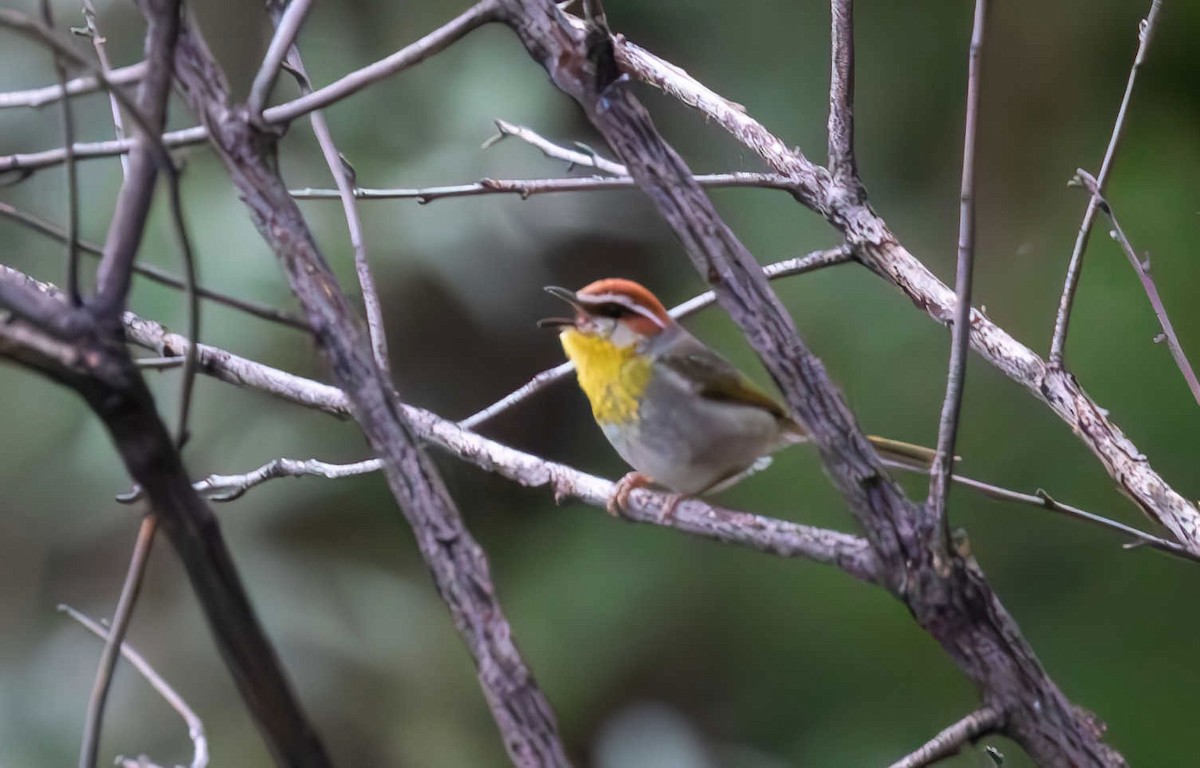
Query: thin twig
x=841 y=100
x=414 y=53
x=943 y=463
x=288 y=19
x=587 y=159
x=195 y=725
x=525 y=188
x=1142 y=269
x=158 y=363
x=116 y=636
x=796 y=266
x=157 y=275
x=376 y=327
x=98 y=43
x=79 y=86
x=1062 y=319
x=1044 y=500
x=68 y=129
x=979 y=723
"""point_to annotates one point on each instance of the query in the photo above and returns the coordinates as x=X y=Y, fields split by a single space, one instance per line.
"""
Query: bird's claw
x=619 y=501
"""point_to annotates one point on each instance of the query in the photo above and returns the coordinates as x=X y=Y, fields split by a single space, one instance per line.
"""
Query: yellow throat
x=613 y=378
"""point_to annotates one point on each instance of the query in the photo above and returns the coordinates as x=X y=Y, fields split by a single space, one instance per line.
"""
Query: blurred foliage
x=656 y=649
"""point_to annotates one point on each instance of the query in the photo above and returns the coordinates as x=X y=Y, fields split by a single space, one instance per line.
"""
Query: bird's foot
x=619 y=502
x=668 y=510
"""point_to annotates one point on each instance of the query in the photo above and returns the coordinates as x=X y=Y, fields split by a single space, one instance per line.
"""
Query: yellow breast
x=613 y=378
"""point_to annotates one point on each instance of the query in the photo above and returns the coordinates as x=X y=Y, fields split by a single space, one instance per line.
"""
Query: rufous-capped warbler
x=680 y=414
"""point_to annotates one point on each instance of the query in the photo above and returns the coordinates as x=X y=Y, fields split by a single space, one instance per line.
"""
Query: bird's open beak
x=567 y=296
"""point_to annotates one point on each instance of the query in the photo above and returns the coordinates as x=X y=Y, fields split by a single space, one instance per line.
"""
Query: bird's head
x=614 y=309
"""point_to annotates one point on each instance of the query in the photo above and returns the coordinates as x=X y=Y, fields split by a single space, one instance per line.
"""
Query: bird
x=681 y=415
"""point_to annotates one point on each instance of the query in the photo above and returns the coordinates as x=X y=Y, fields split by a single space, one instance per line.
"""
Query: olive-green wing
x=713 y=377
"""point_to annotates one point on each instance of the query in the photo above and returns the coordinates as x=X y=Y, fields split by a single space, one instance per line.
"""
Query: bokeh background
x=656 y=649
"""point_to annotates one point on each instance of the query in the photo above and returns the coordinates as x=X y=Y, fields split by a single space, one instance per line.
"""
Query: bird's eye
x=611 y=309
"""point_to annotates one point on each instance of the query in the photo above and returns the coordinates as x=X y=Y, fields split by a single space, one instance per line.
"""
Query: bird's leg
x=620 y=499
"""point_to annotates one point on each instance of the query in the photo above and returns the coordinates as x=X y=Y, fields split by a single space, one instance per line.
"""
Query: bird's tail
x=901 y=451
x=897 y=450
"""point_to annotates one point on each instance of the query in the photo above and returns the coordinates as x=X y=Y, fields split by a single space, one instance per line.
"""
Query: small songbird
x=676 y=411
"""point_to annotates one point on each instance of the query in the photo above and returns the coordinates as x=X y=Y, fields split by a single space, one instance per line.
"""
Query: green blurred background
x=655 y=649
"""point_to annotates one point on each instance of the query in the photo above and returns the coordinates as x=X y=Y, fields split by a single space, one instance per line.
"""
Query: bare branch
x=1092 y=185
x=288 y=20
x=526 y=188
x=979 y=723
x=841 y=101
x=160 y=276
x=413 y=54
x=194 y=725
x=1044 y=500
x=796 y=266
x=116 y=637
x=943 y=463
x=435 y=42
x=586 y=159
x=1062 y=319
x=98 y=43
x=39 y=97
